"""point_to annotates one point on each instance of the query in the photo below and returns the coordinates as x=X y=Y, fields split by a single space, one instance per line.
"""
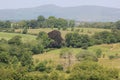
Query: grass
x=53 y=55
x=25 y=37
x=110 y=49
x=89 y=31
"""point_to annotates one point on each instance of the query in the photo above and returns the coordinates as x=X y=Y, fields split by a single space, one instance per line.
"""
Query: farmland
x=33 y=53
x=25 y=37
x=89 y=31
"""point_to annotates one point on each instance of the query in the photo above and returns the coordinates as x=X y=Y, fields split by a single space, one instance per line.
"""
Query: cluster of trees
x=42 y=22
x=107 y=37
x=105 y=25
x=14 y=51
x=80 y=40
x=92 y=71
x=76 y=40
x=5 y=24
x=53 y=22
x=46 y=41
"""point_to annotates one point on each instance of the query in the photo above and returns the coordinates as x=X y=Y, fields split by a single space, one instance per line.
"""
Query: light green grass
x=89 y=31
x=110 y=49
x=25 y=38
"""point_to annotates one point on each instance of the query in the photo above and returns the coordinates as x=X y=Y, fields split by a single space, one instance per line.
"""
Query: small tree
x=54 y=76
x=41 y=67
x=43 y=39
x=67 y=55
x=25 y=30
x=15 y=40
x=86 y=56
x=59 y=67
x=99 y=53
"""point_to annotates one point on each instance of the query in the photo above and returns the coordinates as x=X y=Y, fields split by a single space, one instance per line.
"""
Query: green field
x=110 y=49
x=25 y=38
x=89 y=31
x=53 y=55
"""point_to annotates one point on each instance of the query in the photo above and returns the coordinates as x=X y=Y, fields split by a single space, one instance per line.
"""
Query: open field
x=53 y=55
x=88 y=31
x=110 y=49
x=25 y=37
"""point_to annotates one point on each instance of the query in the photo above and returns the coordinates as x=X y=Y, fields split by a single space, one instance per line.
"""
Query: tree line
x=105 y=25
x=53 y=22
x=40 y=22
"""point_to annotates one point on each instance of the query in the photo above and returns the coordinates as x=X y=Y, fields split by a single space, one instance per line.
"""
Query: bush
x=99 y=53
x=92 y=71
x=49 y=69
x=41 y=67
x=54 y=76
x=72 y=29
x=64 y=28
x=76 y=40
x=24 y=31
x=16 y=40
x=113 y=57
x=37 y=49
x=85 y=55
x=59 y=67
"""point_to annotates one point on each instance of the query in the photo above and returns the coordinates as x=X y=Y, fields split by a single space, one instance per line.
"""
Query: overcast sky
x=13 y=4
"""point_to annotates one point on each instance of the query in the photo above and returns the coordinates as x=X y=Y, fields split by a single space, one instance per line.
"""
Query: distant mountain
x=81 y=13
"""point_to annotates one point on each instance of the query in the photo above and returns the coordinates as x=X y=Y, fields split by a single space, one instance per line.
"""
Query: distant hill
x=80 y=13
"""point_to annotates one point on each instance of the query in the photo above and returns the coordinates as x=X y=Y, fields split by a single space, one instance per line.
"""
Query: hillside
x=107 y=49
x=25 y=38
x=81 y=13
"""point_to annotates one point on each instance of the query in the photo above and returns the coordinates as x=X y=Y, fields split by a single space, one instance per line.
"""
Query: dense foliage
x=92 y=71
x=57 y=39
x=76 y=40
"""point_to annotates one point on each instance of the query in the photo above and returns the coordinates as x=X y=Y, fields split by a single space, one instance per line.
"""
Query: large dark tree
x=56 y=36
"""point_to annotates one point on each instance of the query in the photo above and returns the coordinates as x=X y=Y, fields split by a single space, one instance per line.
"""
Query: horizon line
x=57 y=6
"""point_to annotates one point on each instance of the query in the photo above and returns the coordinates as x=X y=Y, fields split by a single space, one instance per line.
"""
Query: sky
x=15 y=4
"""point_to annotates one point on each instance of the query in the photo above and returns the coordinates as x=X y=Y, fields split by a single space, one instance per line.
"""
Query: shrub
x=54 y=76
x=41 y=67
x=59 y=67
x=85 y=55
x=99 y=53
x=25 y=30
x=16 y=40
x=92 y=71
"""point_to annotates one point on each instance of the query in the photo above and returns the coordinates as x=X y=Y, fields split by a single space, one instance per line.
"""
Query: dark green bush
x=59 y=67
x=41 y=67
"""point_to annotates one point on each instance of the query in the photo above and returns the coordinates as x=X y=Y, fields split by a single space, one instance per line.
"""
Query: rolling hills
x=80 y=13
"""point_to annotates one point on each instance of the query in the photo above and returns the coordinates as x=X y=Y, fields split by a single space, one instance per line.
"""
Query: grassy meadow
x=25 y=37
x=53 y=55
x=89 y=31
x=111 y=49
